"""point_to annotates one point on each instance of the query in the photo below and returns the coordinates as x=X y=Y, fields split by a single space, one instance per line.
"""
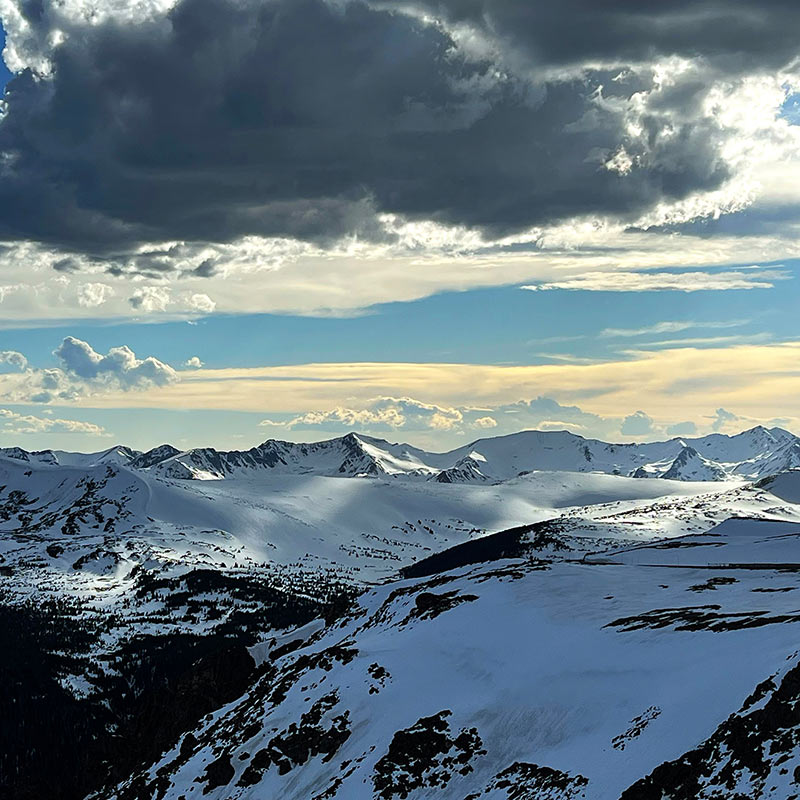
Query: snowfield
x=533 y=616
x=566 y=679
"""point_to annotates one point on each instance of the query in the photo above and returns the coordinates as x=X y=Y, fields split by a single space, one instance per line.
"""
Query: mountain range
x=749 y=455
x=538 y=616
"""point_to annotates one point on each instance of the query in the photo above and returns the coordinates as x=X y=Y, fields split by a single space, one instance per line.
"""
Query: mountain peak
x=751 y=454
x=689 y=465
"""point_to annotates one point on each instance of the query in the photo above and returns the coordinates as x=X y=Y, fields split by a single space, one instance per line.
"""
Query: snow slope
x=580 y=649
x=524 y=679
x=111 y=519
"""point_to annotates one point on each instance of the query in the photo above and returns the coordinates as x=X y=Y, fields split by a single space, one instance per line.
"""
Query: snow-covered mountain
x=750 y=455
x=530 y=616
x=688 y=465
x=647 y=672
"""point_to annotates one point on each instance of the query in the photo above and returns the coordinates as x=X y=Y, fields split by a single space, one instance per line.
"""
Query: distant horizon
x=401 y=443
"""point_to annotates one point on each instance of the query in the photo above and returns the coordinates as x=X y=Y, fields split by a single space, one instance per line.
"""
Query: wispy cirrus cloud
x=667 y=326
x=705 y=341
x=695 y=281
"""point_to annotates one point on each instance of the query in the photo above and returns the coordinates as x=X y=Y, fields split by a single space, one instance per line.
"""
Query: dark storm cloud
x=294 y=118
x=737 y=36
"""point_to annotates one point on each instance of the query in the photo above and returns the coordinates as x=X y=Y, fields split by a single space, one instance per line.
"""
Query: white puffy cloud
x=545 y=412
x=382 y=413
x=387 y=414
x=201 y=302
x=150 y=298
x=15 y=423
x=80 y=359
x=193 y=363
x=13 y=359
x=91 y=295
x=83 y=372
x=637 y=424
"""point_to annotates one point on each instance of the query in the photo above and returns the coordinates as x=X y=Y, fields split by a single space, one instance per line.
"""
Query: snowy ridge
x=530 y=677
x=349 y=456
x=689 y=465
x=36 y=457
x=750 y=455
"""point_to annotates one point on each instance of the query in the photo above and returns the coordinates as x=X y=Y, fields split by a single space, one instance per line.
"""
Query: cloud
x=201 y=302
x=669 y=327
x=211 y=122
x=259 y=279
x=576 y=32
x=666 y=281
x=14 y=423
x=91 y=295
x=547 y=413
x=706 y=341
x=193 y=363
x=637 y=424
x=382 y=413
x=13 y=359
x=386 y=414
x=150 y=298
x=759 y=381
x=723 y=419
x=78 y=358
x=82 y=372
x=682 y=429
x=430 y=422
x=405 y=413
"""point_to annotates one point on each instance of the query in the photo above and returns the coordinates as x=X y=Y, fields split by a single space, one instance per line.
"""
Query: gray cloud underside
x=295 y=118
x=735 y=37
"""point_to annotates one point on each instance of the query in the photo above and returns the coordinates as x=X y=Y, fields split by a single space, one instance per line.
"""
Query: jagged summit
x=38 y=456
x=750 y=455
x=691 y=466
x=353 y=455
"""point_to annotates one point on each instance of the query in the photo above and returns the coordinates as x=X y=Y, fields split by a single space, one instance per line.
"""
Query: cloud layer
x=673 y=386
x=394 y=416
x=137 y=135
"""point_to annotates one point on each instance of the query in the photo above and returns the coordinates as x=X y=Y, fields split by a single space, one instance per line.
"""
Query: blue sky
x=494 y=326
x=501 y=326
x=5 y=74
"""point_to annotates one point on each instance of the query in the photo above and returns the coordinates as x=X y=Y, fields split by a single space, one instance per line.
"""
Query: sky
x=223 y=221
